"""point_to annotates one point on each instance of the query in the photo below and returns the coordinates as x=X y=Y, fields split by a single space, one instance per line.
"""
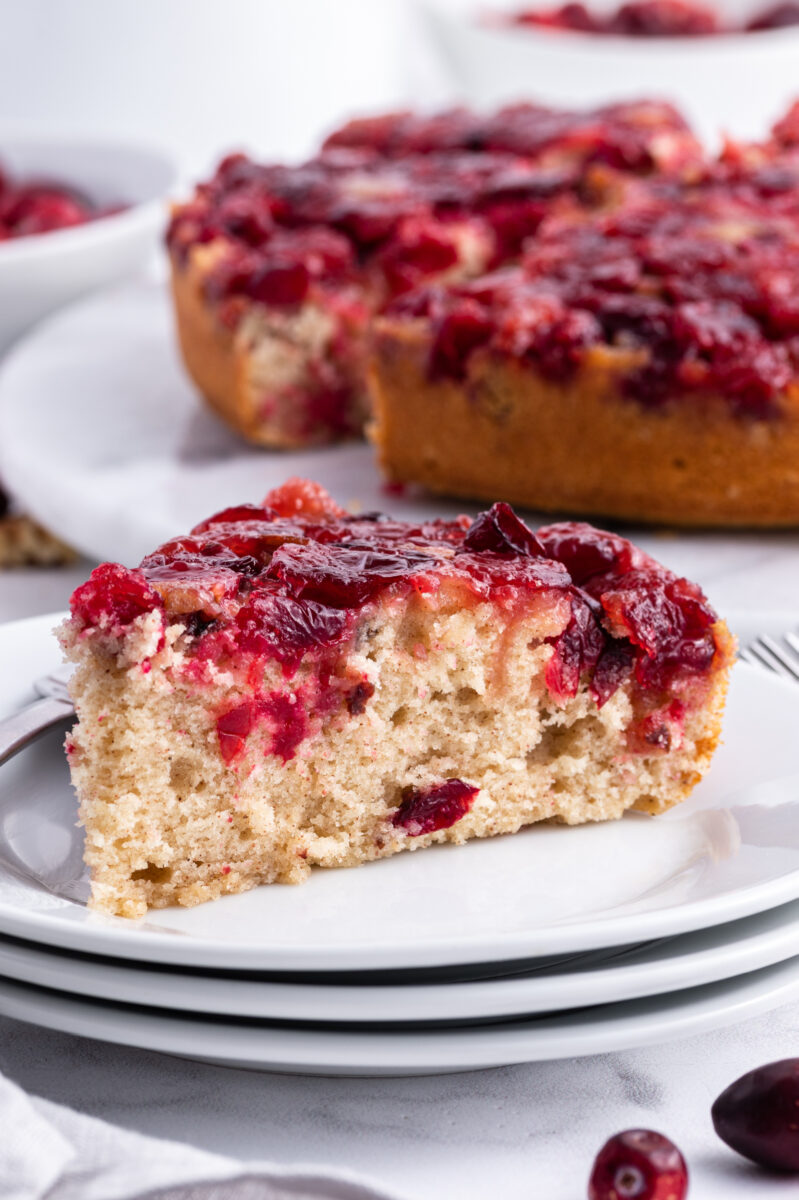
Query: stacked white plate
x=554 y=942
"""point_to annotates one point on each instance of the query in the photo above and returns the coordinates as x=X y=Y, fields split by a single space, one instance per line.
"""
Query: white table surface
x=517 y=1133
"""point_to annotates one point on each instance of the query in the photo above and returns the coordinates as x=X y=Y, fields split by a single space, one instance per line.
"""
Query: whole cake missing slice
x=277 y=271
x=292 y=685
x=640 y=363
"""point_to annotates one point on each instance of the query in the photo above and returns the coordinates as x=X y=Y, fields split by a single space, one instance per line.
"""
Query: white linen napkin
x=48 y=1152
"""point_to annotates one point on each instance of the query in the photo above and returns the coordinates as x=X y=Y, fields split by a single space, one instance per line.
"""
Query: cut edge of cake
x=690 y=462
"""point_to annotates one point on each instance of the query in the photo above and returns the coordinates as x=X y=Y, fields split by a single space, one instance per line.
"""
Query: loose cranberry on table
x=638 y=1164
x=758 y=1115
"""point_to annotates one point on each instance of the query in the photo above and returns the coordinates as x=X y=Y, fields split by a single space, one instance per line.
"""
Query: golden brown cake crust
x=210 y=354
x=579 y=446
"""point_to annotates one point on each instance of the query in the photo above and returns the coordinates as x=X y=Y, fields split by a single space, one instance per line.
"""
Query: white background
x=201 y=75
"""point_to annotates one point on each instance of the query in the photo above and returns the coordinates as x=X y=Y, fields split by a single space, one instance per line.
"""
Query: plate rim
x=607 y=981
x=624 y=1026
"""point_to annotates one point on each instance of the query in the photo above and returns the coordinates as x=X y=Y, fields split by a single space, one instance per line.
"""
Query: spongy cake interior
x=459 y=692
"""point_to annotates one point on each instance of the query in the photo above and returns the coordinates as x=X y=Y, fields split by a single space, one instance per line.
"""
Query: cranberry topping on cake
x=292 y=685
x=408 y=198
x=638 y=134
x=30 y=206
x=687 y=284
x=297 y=581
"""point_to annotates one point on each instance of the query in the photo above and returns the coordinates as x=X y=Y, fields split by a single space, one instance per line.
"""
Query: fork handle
x=22 y=727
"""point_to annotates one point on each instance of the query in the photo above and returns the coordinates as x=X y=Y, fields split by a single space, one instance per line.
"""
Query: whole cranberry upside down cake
x=292 y=686
x=574 y=310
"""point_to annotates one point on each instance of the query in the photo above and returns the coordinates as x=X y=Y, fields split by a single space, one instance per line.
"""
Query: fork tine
x=768 y=653
x=757 y=657
x=793 y=641
x=785 y=653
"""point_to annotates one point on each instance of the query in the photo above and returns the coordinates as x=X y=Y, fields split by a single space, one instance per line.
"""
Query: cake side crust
x=501 y=431
x=258 y=376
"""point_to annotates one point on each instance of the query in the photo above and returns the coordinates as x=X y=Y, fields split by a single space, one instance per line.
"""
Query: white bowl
x=736 y=83
x=44 y=271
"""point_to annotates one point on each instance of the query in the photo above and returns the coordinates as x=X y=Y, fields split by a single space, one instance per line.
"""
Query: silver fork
x=53 y=706
x=780 y=656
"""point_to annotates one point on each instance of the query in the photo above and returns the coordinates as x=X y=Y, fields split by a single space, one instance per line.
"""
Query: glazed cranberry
x=500 y=530
x=577 y=650
x=757 y=1115
x=460 y=332
x=276 y=626
x=586 y=551
x=113 y=596
x=419 y=249
x=239 y=513
x=245 y=216
x=424 y=810
x=282 y=284
x=345 y=575
x=638 y=1165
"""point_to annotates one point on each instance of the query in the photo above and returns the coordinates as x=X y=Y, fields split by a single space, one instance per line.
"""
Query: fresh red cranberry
x=424 y=810
x=757 y=1116
x=113 y=596
x=639 y=1165
x=499 y=529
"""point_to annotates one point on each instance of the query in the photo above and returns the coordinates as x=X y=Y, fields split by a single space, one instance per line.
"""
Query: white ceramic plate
x=260 y=1046
x=731 y=851
x=120 y=454
x=604 y=977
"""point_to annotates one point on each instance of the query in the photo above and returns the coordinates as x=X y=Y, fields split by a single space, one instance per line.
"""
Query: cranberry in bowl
x=733 y=81
x=75 y=215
